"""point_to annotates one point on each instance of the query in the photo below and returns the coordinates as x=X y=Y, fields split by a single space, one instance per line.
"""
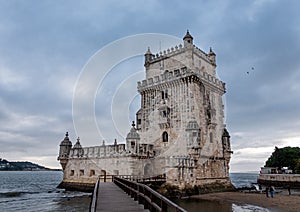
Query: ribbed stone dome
x=133 y=134
x=66 y=141
x=77 y=145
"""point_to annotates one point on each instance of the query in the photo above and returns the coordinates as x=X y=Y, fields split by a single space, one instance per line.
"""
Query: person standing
x=267 y=191
x=289 y=189
x=272 y=191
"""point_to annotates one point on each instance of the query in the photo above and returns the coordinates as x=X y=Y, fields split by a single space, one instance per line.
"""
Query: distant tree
x=297 y=167
x=284 y=157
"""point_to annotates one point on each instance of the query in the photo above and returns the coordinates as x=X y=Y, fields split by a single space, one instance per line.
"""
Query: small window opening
x=92 y=173
x=165 y=137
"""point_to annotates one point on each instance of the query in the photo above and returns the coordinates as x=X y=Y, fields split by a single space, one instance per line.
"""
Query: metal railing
x=136 y=178
x=151 y=199
x=94 y=198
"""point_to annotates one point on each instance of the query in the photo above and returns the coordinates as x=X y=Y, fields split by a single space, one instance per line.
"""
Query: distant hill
x=6 y=165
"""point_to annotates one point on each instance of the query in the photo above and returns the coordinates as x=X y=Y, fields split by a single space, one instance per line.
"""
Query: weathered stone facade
x=179 y=132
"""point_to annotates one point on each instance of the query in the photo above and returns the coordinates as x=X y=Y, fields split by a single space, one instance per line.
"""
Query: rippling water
x=36 y=191
x=240 y=180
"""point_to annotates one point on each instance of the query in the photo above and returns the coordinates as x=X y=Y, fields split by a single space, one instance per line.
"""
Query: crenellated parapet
x=178 y=74
x=99 y=151
x=176 y=50
x=110 y=151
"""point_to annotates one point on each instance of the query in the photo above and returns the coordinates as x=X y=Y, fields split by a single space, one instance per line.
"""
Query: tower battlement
x=177 y=74
x=178 y=49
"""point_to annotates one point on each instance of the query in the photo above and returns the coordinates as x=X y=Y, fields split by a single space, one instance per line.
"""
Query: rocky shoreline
x=281 y=202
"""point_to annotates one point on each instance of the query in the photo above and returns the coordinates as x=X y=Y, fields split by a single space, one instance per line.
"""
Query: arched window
x=165 y=136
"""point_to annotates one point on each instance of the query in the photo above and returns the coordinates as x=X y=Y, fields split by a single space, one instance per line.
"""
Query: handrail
x=94 y=198
x=137 y=178
x=151 y=199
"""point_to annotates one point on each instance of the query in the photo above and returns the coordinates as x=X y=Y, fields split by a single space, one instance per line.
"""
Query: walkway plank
x=112 y=198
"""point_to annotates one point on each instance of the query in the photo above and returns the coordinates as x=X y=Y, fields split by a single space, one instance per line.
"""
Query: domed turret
x=148 y=57
x=64 y=150
x=133 y=134
x=77 y=149
x=65 y=147
x=187 y=39
x=226 y=143
x=212 y=56
x=132 y=139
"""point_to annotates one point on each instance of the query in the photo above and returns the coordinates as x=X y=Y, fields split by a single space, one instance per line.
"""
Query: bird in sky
x=252 y=68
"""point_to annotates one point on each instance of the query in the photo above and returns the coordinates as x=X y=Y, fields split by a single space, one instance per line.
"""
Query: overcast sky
x=45 y=45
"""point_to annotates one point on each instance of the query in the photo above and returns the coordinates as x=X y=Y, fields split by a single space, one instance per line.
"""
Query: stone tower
x=182 y=114
x=179 y=132
x=64 y=150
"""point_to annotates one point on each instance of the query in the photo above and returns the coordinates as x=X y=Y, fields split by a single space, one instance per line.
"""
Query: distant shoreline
x=6 y=165
x=42 y=170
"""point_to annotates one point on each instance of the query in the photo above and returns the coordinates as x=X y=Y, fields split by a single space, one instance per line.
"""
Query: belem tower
x=179 y=130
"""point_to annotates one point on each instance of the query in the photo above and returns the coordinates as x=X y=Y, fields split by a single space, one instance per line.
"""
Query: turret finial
x=133 y=124
x=148 y=51
x=188 y=35
x=67 y=134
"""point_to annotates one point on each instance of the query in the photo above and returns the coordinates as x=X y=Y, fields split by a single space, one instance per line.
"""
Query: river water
x=36 y=191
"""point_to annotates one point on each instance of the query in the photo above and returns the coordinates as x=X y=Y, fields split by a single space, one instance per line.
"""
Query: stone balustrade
x=110 y=151
x=178 y=74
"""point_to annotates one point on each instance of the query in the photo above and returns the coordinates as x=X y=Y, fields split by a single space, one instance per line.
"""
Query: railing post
x=164 y=206
x=145 y=195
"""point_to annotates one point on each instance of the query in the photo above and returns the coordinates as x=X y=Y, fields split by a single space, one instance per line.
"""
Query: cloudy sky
x=45 y=46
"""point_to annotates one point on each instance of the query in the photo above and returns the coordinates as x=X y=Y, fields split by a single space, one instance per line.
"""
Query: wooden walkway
x=112 y=198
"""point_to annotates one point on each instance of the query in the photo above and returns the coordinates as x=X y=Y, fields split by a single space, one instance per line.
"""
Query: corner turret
x=77 y=149
x=148 y=58
x=212 y=56
x=64 y=150
x=226 y=144
x=132 y=140
x=187 y=39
